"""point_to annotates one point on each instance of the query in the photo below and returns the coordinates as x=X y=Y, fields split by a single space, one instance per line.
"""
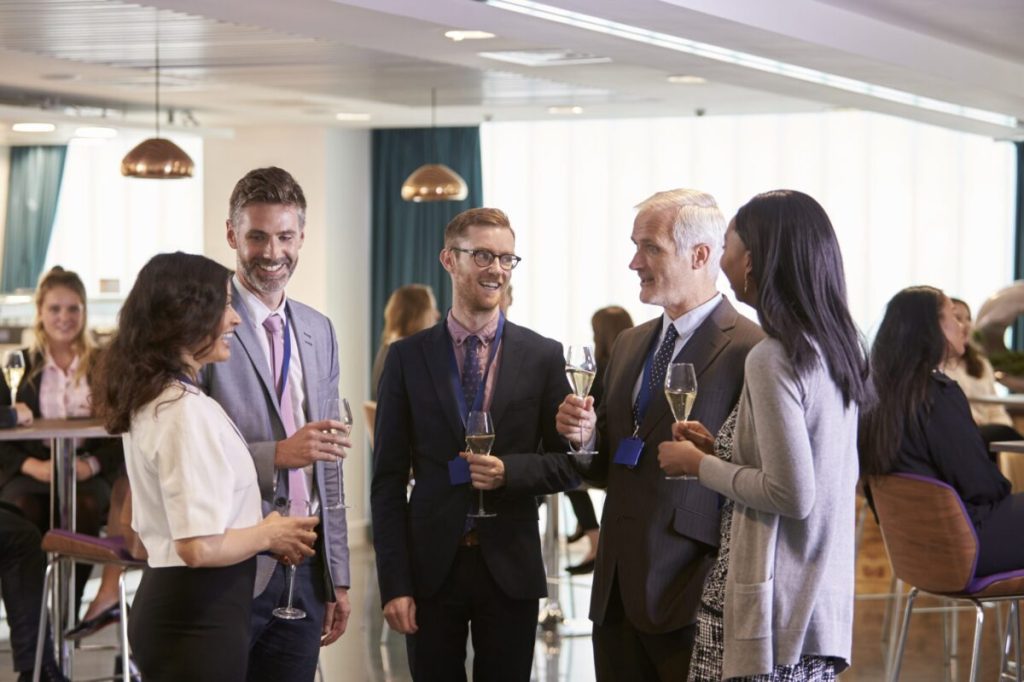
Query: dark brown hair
x=270 y=185
x=84 y=347
x=972 y=356
x=481 y=217
x=608 y=323
x=176 y=306
x=406 y=311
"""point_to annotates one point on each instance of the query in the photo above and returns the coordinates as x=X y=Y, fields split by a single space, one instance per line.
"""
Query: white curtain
x=911 y=203
x=107 y=226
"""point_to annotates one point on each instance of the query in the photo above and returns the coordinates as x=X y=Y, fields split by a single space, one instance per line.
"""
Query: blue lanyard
x=643 y=399
x=286 y=360
x=455 y=379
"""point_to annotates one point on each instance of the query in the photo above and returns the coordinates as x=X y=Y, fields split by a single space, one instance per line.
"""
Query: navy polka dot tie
x=658 y=369
x=471 y=371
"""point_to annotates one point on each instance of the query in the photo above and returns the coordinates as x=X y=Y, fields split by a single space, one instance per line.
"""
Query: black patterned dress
x=706 y=664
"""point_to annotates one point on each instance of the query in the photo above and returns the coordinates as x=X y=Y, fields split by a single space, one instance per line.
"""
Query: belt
x=470 y=539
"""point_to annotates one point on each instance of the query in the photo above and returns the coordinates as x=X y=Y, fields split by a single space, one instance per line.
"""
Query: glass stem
x=291 y=584
x=481 y=510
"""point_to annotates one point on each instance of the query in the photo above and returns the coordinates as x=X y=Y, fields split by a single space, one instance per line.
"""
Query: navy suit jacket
x=658 y=536
x=419 y=426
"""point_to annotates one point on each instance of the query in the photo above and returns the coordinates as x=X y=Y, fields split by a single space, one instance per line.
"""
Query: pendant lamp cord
x=433 y=126
x=156 y=81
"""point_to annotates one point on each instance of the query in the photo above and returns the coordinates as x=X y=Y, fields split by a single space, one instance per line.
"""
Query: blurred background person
x=410 y=308
x=922 y=423
x=196 y=502
x=58 y=368
x=607 y=324
x=972 y=370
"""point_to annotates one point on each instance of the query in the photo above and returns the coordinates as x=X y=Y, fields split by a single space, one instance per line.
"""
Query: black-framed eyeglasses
x=483 y=258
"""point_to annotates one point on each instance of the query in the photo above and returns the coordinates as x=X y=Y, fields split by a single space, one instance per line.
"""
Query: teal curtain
x=407 y=237
x=33 y=190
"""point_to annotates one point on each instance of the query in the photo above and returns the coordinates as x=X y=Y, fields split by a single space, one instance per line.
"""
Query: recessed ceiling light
x=774 y=67
x=459 y=36
x=33 y=127
x=351 y=116
x=95 y=132
x=61 y=77
x=565 y=110
x=686 y=80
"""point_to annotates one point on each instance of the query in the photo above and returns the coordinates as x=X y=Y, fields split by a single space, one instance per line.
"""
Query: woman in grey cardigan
x=788 y=590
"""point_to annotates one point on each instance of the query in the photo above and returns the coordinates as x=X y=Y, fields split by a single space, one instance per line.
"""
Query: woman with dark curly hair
x=195 y=502
x=922 y=423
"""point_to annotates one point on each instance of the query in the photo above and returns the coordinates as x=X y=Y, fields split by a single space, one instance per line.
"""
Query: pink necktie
x=297 y=495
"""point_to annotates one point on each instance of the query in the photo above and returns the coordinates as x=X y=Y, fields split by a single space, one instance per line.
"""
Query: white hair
x=698 y=220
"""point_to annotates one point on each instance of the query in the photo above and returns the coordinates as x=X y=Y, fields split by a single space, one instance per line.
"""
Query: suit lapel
x=437 y=353
x=637 y=345
x=508 y=371
x=703 y=347
x=246 y=335
x=307 y=356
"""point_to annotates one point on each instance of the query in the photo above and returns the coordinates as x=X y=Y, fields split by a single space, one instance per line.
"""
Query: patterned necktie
x=658 y=369
x=297 y=494
x=471 y=372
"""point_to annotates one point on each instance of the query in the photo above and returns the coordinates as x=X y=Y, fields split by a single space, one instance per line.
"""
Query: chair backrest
x=370 y=415
x=929 y=536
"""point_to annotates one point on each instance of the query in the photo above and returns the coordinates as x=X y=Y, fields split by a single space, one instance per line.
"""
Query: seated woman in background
x=196 y=501
x=58 y=368
x=974 y=373
x=922 y=423
x=410 y=309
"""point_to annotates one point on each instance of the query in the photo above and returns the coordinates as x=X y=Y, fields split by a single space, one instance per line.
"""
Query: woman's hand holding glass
x=290 y=538
x=682 y=456
x=296 y=512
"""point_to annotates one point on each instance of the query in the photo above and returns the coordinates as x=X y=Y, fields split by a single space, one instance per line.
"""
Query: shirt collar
x=485 y=333
x=50 y=363
x=257 y=309
x=688 y=322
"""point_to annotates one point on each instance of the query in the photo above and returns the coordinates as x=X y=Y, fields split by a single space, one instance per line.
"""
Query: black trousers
x=503 y=629
x=22 y=565
x=583 y=508
x=1000 y=547
x=193 y=623
x=621 y=652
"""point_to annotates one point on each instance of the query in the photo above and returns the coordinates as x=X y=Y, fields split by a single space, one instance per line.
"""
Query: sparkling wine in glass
x=681 y=393
x=580 y=370
x=14 y=370
x=344 y=414
x=479 y=441
x=292 y=612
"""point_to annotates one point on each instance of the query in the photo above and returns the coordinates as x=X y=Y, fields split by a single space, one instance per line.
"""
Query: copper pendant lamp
x=434 y=181
x=157 y=158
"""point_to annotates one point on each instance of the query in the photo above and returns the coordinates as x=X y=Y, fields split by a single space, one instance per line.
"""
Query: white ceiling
x=238 y=62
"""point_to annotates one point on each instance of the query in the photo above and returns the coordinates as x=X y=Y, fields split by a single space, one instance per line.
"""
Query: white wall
x=333 y=275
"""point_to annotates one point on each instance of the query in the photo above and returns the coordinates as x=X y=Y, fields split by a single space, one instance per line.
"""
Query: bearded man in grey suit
x=277 y=391
x=658 y=536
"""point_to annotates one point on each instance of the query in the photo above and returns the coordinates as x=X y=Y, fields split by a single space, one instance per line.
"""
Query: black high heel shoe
x=93 y=625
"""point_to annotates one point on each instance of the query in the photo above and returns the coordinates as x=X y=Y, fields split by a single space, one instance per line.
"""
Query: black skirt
x=193 y=623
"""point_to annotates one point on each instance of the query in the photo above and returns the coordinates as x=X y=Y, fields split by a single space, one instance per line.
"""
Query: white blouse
x=190 y=471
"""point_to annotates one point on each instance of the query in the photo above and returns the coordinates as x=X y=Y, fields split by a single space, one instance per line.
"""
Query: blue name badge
x=628 y=452
x=458 y=471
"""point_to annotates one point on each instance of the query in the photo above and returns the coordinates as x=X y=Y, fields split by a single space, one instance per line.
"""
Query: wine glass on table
x=292 y=612
x=344 y=415
x=14 y=370
x=479 y=441
x=580 y=370
x=681 y=393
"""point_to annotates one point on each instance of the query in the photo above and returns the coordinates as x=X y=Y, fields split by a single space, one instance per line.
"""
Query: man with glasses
x=440 y=569
x=658 y=536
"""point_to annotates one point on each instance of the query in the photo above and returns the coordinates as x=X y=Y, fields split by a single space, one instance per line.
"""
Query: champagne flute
x=479 y=441
x=580 y=370
x=681 y=393
x=292 y=612
x=344 y=415
x=14 y=370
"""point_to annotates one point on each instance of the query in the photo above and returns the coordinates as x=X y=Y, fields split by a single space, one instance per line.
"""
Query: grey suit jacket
x=658 y=536
x=244 y=387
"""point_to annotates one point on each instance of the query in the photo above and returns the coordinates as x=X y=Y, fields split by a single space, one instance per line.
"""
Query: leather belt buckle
x=470 y=539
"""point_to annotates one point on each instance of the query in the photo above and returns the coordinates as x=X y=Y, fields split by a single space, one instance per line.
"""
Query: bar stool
x=66 y=546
